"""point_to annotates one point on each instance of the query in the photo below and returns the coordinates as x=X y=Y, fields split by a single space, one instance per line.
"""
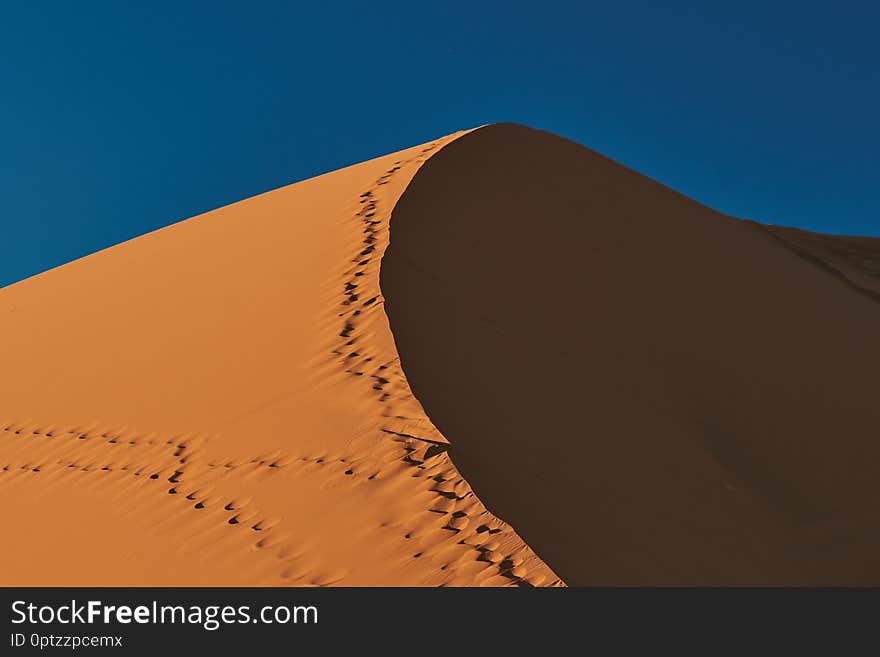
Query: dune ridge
x=855 y=260
x=220 y=403
x=498 y=359
x=651 y=392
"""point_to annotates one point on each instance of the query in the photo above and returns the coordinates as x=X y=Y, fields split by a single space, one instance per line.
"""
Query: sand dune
x=854 y=260
x=220 y=403
x=557 y=368
x=650 y=392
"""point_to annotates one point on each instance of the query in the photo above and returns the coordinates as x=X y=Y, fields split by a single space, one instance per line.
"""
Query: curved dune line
x=652 y=393
x=647 y=391
x=286 y=445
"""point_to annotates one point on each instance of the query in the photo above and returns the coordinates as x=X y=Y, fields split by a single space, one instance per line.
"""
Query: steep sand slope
x=220 y=403
x=650 y=392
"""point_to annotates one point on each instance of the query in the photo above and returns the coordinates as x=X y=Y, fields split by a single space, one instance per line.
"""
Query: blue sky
x=119 y=118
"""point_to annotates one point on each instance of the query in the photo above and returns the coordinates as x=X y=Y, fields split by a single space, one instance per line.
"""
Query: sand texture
x=495 y=359
x=220 y=403
x=648 y=391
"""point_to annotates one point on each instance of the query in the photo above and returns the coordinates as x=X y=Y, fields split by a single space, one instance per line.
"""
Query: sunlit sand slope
x=221 y=403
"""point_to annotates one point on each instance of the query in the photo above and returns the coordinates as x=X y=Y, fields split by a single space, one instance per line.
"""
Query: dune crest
x=650 y=392
x=637 y=390
x=854 y=260
x=220 y=402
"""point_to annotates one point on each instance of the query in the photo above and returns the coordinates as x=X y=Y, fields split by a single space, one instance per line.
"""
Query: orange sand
x=649 y=392
x=237 y=368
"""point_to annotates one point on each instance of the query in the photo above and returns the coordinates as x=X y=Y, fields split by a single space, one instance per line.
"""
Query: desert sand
x=220 y=403
x=494 y=359
x=650 y=392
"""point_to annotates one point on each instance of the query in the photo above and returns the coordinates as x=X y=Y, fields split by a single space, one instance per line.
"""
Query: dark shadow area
x=854 y=260
x=650 y=393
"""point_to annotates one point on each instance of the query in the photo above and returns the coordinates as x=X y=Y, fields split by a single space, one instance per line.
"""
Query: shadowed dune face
x=648 y=391
x=854 y=260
